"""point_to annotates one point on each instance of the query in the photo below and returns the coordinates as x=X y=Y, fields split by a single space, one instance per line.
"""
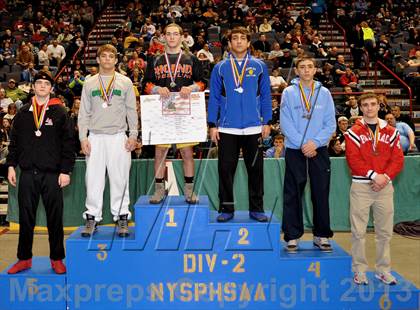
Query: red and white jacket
x=364 y=163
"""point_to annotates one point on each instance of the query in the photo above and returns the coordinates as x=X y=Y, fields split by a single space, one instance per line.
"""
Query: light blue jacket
x=322 y=123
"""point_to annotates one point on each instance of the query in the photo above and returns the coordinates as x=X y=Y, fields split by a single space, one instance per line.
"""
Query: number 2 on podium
x=316 y=268
x=171 y=215
x=243 y=232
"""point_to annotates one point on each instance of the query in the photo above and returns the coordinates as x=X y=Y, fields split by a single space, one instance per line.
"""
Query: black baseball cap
x=42 y=75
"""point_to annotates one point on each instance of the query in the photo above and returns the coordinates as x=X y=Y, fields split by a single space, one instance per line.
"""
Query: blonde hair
x=181 y=31
x=367 y=96
x=107 y=48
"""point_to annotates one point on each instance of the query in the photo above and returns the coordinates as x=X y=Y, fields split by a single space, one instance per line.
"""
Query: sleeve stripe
x=353 y=136
x=393 y=138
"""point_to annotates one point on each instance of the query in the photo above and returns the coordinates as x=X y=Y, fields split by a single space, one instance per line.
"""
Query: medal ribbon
x=374 y=136
x=173 y=75
x=39 y=119
x=107 y=93
x=238 y=78
x=306 y=101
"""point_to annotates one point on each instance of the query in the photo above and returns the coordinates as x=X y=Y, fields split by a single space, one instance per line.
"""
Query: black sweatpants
x=229 y=149
x=32 y=185
x=297 y=168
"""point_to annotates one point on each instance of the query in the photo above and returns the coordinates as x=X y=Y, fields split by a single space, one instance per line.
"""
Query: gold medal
x=306 y=101
x=39 y=119
x=238 y=78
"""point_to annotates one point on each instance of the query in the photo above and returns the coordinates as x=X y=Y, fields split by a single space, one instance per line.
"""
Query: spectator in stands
x=79 y=66
x=332 y=55
x=384 y=50
x=136 y=77
x=275 y=111
x=252 y=26
x=275 y=53
x=155 y=48
x=349 y=79
x=265 y=26
x=61 y=89
x=396 y=111
x=262 y=44
x=199 y=44
x=235 y=18
x=339 y=68
x=130 y=40
x=205 y=55
x=29 y=73
x=298 y=38
x=287 y=43
x=19 y=25
x=317 y=47
x=76 y=83
x=65 y=37
x=407 y=136
x=136 y=62
x=7 y=53
x=57 y=53
x=384 y=108
x=369 y=39
x=74 y=112
x=326 y=77
x=278 y=150
x=343 y=124
x=353 y=110
x=210 y=13
x=357 y=46
x=86 y=13
x=318 y=8
x=43 y=56
x=93 y=70
x=14 y=92
x=4 y=101
x=277 y=82
x=187 y=38
x=11 y=112
x=5 y=135
x=335 y=148
x=286 y=60
x=415 y=62
x=25 y=57
x=8 y=36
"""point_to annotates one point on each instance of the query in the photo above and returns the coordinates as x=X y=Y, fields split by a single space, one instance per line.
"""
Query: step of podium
x=36 y=288
x=178 y=257
x=376 y=295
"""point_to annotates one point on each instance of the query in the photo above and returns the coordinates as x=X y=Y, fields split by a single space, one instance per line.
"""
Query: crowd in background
x=46 y=36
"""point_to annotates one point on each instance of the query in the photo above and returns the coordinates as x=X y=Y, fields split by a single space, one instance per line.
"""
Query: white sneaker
x=386 y=277
x=292 y=246
x=360 y=278
x=323 y=244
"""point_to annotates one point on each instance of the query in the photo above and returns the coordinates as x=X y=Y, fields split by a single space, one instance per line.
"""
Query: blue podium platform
x=35 y=288
x=178 y=257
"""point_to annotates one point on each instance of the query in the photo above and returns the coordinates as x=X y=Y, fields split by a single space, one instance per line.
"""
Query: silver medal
x=173 y=84
x=239 y=90
x=38 y=133
x=104 y=105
